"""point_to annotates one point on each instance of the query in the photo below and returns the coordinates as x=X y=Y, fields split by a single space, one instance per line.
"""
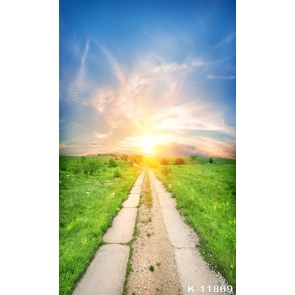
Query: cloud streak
x=221 y=77
x=228 y=39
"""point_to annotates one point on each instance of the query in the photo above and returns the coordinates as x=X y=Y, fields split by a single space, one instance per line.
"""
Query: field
x=206 y=197
x=91 y=191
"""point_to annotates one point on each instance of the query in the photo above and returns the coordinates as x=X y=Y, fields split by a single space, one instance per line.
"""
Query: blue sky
x=149 y=77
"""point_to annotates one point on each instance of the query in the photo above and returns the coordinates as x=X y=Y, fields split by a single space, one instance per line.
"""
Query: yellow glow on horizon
x=147 y=143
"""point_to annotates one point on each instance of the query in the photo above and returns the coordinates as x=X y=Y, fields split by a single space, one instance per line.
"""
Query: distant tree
x=164 y=161
x=137 y=158
x=210 y=160
x=125 y=157
x=179 y=161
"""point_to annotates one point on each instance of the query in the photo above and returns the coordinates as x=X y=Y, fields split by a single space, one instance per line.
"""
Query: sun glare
x=147 y=143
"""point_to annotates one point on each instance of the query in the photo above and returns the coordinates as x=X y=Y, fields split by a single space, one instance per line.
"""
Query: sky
x=156 y=78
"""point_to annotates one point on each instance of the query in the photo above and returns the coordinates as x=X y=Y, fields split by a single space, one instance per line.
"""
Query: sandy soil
x=152 y=248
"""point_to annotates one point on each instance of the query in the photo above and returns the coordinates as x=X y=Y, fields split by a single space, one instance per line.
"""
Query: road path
x=164 y=242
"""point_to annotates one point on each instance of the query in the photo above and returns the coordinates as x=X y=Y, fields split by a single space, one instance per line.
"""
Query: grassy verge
x=206 y=196
x=91 y=192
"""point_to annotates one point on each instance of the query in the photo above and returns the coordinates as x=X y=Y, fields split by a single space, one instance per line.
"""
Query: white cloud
x=221 y=77
x=225 y=40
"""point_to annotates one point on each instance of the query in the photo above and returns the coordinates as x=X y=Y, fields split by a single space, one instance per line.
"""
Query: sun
x=147 y=143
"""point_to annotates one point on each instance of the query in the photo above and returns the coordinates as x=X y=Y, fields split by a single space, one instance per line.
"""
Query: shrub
x=125 y=157
x=117 y=173
x=210 y=160
x=179 y=161
x=112 y=163
x=91 y=166
x=164 y=161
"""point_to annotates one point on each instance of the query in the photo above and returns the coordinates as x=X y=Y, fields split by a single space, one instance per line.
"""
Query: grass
x=89 y=198
x=151 y=268
x=147 y=198
x=145 y=221
x=206 y=196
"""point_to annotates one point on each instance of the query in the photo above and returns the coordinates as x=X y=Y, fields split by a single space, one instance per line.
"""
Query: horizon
x=151 y=78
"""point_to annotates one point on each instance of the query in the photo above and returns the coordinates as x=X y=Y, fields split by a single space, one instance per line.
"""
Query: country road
x=164 y=256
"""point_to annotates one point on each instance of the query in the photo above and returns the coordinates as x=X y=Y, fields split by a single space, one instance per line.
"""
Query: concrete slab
x=106 y=272
x=136 y=189
x=160 y=188
x=138 y=182
x=166 y=201
x=179 y=233
x=193 y=272
x=132 y=201
x=122 y=228
x=157 y=182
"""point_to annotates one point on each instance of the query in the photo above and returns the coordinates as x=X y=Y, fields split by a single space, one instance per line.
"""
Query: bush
x=117 y=173
x=179 y=161
x=112 y=163
x=164 y=161
x=125 y=157
x=90 y=166
x=210 y=160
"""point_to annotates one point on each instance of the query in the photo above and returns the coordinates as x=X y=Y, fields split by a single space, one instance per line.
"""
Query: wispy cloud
x=194 y=115
x=225 y=40
x=148 y=87
x=221 y=77
x=80 y=85
x=102 y=135
x=114 y=64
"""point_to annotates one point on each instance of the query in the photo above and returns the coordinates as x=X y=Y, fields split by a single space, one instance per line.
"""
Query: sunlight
x=147 y=143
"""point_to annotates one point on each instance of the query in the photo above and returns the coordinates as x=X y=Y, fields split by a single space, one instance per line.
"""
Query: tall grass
x=88 y=203
x=206 y=196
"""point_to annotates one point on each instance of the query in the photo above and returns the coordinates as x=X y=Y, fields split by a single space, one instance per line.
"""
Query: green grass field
x=91 y=191
x=206 y=196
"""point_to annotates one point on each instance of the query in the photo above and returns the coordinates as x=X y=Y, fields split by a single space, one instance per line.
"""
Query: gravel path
x=164 y=256
x=152 y=248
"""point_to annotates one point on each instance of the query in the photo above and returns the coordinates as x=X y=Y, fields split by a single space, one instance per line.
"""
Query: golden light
x=147 y=143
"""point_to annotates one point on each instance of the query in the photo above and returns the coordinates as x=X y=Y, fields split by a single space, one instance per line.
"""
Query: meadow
x=91 y=192
x=205 y=190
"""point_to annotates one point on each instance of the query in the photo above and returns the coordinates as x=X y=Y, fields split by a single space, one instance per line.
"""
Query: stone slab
x=166 y=201
x=138 y=182
x=106 y=272
x=122 y=227
x=136 y=189
x=132 y=201
x=194 y=272
x=179 y=233
x=157 y=182
x=160 y=188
